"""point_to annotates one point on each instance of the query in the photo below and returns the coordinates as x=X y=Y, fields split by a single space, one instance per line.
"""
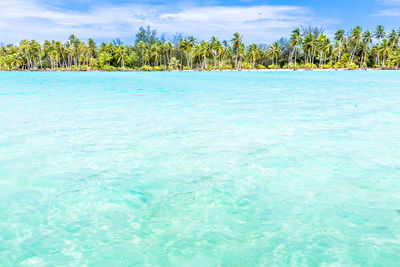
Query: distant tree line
x=306 y=47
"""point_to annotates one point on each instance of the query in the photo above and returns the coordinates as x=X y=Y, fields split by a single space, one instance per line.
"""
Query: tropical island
x=307 y=48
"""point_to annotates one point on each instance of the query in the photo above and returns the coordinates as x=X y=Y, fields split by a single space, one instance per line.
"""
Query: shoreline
x=200 y=70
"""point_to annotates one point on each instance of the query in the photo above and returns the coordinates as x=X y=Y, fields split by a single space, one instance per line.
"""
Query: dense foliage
x=307 y=48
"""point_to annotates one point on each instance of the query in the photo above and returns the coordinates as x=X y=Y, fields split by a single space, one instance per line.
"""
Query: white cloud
x=257 y=23
x=391 y=9
x=27 y=19
x=389 y=13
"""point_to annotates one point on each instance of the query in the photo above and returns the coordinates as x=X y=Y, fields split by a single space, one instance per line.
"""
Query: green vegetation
x=307 y=48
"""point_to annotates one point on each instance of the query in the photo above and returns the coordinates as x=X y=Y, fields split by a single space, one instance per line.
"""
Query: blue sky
x=259 y=21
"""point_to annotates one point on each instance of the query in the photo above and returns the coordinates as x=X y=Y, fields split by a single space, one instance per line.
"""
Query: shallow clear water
x=200 y=169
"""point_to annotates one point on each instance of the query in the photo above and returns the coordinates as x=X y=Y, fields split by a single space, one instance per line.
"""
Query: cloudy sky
x=259 y=21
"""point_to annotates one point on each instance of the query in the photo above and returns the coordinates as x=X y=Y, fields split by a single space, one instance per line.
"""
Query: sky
x=258 y=21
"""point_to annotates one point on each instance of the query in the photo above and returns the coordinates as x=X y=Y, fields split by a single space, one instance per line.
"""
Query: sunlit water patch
x=200 y=169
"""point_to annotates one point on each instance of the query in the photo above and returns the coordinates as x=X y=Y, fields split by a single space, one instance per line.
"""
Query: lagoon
x=200 y=168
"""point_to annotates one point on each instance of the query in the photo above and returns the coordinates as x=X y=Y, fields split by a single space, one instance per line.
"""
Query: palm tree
x=226 y=54
x=236 y=42
x=393 y=39
x=36 y=48
x=174 y=63
x=354 y=39
x=340 y=35
x=92 y=50
x=59 y=47
x=155 y=52
x=295 y=42
x=309 y=48
x=253 y=55
x=218 y=51
x=104 y=57
x=121 y=55
x=304 y=46
x=146 y=56
x=3 y=63
x=340 y=42
x=379 y=33
x=324 y=47
x=169 y=49
x=337 y=51
x=367 y=40
x=183 y=45
x=274 y=51
x=385 y=51
x=213 y=53
x=204 y=52
x=190 y=49
x=396 y=58
x=24 y=45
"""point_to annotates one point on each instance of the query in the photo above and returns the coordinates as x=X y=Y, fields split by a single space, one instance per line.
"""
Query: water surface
x=200 y=169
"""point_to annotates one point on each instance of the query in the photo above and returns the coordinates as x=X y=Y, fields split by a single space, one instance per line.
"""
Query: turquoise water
x=200 y=169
